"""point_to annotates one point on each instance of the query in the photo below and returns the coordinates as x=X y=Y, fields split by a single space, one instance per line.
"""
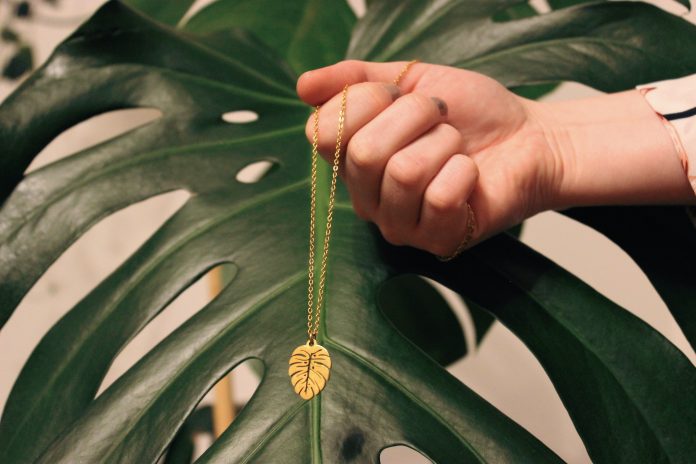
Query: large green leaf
x=384 y=389
x=421 y=314
x=602 y=359
x=259 y=227
x=609 y=46
x=295 y=29
x=662 y=241
x=182 y=447
x=556 y=4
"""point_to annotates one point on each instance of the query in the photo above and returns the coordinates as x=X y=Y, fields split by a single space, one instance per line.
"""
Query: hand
x=411 y=167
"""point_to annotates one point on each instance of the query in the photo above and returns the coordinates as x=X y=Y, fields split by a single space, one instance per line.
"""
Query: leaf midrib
x=379 y=373
x=220 y=83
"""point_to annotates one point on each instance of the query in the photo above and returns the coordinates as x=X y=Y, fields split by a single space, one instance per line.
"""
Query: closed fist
x=417 y=153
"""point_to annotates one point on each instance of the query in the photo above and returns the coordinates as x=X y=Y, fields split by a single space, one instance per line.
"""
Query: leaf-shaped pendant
x=310 y=367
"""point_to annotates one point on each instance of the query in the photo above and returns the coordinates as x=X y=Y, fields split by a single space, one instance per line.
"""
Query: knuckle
x=442 y=202
x=449 y=134
x=391 y=234
x=361 y=153
x=352 y=63
x=405 y=170
x=373 y=94
x=469 y=165
x=324 y=144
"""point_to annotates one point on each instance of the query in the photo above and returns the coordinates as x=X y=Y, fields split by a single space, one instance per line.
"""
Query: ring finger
x=372 y=145
x=408 y=173
x=444 y=212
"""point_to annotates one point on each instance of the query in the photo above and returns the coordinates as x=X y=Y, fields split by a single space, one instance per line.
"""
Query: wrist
x=614 y=149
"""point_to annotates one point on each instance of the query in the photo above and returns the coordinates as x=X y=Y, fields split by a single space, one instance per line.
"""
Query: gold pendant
x=310 y=367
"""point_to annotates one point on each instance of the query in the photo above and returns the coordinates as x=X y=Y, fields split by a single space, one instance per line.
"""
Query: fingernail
x=441 y=105
x=393 y=90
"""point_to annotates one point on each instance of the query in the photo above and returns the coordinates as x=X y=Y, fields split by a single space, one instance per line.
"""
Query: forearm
x=614 y=149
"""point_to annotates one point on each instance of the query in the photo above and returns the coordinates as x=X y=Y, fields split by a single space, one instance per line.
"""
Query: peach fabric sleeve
x=675 y=101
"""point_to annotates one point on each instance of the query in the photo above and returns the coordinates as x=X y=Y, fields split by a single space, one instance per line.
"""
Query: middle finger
x=372 y=145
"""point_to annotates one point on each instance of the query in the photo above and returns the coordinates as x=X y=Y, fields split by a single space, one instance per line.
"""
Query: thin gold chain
x=313 y=329
x=314 y=310
x=404 y=70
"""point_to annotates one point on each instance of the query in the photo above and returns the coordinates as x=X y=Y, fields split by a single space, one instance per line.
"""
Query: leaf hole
x=193 y=297
x=215 y=412
x=521 y=10
x=91 y=132
x=401 y=454
x=78 y=270
x=254 y=172
x=240 y=116
x=196 y=6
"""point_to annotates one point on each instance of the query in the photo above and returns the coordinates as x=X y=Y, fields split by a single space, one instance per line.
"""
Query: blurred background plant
x=17 y=53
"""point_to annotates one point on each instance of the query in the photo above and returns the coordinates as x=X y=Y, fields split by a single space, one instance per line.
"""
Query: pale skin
x=411 y=165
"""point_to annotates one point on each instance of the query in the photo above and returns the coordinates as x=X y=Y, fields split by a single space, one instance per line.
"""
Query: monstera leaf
x=628 y=390
x=662 y=241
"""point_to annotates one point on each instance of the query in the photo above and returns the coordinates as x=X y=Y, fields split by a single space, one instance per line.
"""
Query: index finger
x=319 y=85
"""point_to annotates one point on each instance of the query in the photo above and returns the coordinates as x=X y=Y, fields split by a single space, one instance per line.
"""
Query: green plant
x=21 y=58
x=628 y=390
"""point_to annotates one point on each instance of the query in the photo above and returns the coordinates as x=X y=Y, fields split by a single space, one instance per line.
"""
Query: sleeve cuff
x=675 y=101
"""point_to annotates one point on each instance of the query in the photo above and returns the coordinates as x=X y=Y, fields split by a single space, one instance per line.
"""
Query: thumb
x=319 y=85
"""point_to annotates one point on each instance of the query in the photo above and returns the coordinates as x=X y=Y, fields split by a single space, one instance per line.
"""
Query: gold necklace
x=310 y=364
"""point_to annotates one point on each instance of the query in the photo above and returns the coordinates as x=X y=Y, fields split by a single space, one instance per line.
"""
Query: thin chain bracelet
x=470 y=229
